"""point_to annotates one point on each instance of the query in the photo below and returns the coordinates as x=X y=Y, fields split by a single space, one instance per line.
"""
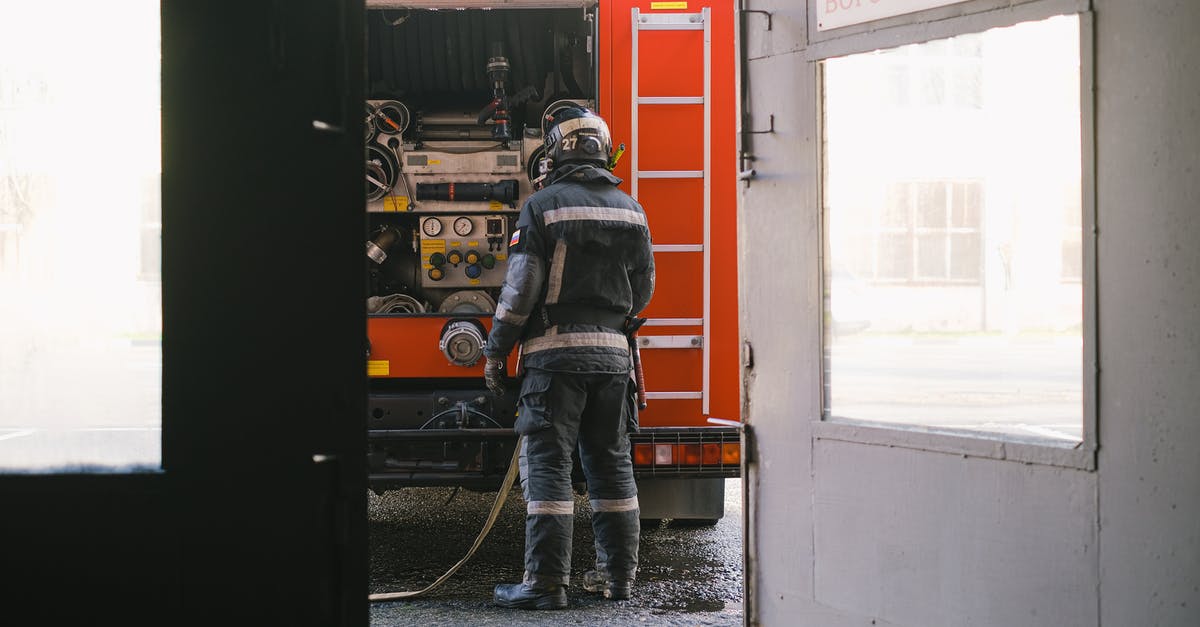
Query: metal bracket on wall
x=744 y=173
x=766 y=13
x=770 y=127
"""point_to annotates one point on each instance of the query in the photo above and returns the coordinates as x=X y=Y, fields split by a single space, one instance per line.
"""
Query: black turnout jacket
x=580 y=262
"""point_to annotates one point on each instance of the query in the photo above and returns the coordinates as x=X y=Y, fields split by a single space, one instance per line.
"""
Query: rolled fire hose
x=505 y=488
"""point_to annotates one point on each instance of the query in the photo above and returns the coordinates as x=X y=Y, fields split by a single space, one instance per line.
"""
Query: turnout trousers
x=559 y=413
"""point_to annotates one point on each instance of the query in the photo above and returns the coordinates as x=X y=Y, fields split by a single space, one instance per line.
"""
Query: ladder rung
x=670 y=100
x=661 y=26
x=677 y=248
x=673 y=396
x=674 y=322
x=669 y=174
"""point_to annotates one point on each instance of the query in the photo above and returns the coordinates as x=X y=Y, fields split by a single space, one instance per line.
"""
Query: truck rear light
x=712 y=454
x=664 y=454
x=643 y=454
x=731 y=454
x=692 y=454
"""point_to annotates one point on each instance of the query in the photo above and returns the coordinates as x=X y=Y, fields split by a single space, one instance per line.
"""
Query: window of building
x=937 y=74
x=953 y=234
x=80 y=294
x=929 y=231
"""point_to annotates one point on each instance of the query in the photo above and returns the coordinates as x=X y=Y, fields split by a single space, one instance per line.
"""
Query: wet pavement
x=688 y=575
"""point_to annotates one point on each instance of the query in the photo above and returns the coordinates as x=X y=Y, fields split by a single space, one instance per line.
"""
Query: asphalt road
x=688 y=576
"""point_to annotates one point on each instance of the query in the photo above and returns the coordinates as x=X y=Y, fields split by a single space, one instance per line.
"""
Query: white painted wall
x=850 y=533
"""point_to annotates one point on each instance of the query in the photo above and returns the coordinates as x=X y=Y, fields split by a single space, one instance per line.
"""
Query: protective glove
x=493 y=375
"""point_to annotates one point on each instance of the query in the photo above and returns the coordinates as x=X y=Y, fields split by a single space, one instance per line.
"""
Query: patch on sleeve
x=516 y=243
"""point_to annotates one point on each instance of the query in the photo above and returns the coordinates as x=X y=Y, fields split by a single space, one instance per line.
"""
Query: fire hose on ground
x=497 y=505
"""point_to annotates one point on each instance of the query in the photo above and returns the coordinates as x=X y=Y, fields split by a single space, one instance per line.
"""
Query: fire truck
x=457 y=95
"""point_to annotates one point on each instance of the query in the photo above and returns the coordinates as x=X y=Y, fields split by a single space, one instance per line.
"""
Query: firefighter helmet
x=575 y=134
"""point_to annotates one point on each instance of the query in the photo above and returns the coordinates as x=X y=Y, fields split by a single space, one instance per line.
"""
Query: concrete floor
x=688 y=576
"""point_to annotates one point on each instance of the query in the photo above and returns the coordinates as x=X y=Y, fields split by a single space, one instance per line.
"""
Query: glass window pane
x=80 y=321
x=965 y=206
x=964 y=256
x=965 y=325
x=932 y=86
x=931 y=256
x=896 y=207
x=931 y=205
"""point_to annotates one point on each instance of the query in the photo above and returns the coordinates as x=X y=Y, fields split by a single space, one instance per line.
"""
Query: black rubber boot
x=520 y=595
x=618 y=590
x=597 y=582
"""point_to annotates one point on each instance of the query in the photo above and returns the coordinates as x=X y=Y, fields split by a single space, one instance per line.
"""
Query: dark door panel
x=259 y=514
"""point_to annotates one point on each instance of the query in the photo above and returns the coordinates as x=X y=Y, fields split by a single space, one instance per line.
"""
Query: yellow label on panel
x=658 y=6
x=474 y=281
x=435 y=162
x=473 y=244
x=378 y=367
x=456 y=244
x=396 y=203
x=501 y=256
x=430 y=246
x=495 y=205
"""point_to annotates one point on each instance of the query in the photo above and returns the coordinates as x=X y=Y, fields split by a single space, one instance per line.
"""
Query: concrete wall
x=849 y=530
x=1148 y=193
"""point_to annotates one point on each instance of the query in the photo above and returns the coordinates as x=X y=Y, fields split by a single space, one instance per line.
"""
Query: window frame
x=943 y=22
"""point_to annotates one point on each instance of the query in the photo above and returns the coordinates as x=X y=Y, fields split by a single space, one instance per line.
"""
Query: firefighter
x=580 y=266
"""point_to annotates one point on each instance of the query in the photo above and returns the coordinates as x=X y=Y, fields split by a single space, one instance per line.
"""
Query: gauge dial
x=431 y=227
x=463 y=226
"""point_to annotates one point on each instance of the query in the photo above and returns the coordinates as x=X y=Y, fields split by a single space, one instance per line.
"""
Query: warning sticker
x=378 y=367
x=396 y=203
x=430 y=246
x=658 y=6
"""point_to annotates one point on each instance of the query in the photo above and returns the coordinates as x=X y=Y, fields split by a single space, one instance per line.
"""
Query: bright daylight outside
x=954 y=268
x=80 y=288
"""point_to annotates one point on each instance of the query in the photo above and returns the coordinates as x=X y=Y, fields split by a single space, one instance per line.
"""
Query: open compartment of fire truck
x=453 y=139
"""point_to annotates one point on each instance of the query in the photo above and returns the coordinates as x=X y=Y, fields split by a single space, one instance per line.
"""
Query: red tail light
x=731 y=454
x=643 y=454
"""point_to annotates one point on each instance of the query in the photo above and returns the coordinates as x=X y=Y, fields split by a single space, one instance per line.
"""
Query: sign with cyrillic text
x=838 y=13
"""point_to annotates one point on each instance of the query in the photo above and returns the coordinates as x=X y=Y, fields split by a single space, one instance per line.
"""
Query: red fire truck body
x=446 y=176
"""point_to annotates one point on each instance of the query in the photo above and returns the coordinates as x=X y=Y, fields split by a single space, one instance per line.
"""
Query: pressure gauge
x=463 y=226
x=431 y=227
